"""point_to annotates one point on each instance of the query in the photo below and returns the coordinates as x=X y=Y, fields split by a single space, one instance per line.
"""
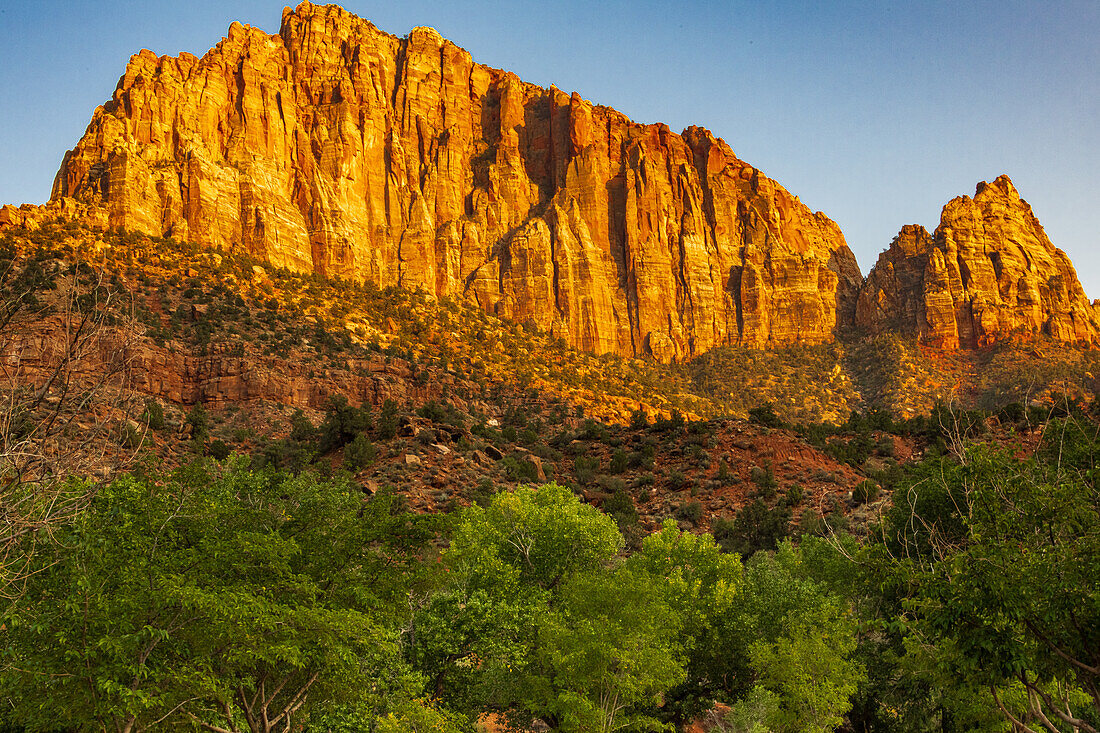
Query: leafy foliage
x=755 y=528
x=221 y=596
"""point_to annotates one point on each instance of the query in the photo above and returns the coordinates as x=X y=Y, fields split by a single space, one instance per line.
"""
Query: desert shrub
x=619 y=461
x=518 y=470
x=764 y=478
x=865 y=493
x=812 y=524
x=837 y=522
x=432 y=411
x=855 y=451
x=153 y=416
x=951 y=423
x=482 y=492
x=286 y=454
x=761 y=476
x=621 y=507
x=1013 y=412
x=678 y=481
x=585 y=467
x=611 y=484
x=594 y=431
x=129 y=436
x=642 y=458
x=218 y=450
x=765 y=415
x=793 y=496
x=359 y=453
x=691 y=511
x=674 y=422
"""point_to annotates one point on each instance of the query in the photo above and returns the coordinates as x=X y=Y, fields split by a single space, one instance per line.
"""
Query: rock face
x=334 y=147
x=216 y=378
x=31 y=216
x=988 y=271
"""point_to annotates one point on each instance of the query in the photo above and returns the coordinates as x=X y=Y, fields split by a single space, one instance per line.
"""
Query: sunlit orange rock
x=336 y=148
x=987 y=272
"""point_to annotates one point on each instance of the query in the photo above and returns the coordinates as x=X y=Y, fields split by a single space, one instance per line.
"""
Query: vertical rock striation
x=988 y=271
x=334 y=147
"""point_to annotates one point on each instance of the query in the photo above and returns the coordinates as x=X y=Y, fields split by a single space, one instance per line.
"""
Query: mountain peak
x=987 y=272
x=336 y=148
x=1002 y=185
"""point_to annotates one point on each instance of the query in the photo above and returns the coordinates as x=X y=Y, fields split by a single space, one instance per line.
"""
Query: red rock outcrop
x=987 y=272
x=337 y=148
x=30 y=352
x=32 y=216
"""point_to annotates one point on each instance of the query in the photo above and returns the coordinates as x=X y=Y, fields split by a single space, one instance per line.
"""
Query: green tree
x=386 y=429
x=358 y=453
x=700 y=583
x=198 y=420
x=537 y=535
x=153 y=416
x=417 y=716
x=605 y=652
x=798 y=640
x=755 y=528
x=341 y=424
x=216 y=595
x=810 y=670
x=998 y=561
x=506 y=563
x=301 y=429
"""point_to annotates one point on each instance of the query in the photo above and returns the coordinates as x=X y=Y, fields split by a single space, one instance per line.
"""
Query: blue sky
x=876 y=113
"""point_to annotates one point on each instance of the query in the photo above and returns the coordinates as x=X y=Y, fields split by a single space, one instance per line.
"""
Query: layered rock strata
x=988 y=271
x=336 y=148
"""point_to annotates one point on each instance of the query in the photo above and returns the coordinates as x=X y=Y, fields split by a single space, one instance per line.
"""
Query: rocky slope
x=336 y=148
x=988 y=271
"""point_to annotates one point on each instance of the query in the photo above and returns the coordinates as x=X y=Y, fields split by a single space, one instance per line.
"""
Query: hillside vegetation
x=237 y=498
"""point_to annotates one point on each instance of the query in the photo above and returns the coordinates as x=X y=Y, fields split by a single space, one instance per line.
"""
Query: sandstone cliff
x=337 y=148
x=989 y=270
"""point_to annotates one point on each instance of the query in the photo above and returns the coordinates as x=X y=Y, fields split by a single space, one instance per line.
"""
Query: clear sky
x=876 y=113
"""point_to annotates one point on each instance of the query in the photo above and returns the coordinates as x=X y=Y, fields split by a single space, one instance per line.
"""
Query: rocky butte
x=336 y=148
x=987 y=271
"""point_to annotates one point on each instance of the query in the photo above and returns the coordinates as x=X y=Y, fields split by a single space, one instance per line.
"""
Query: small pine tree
x=386 y=429
x=196 y=418
x=359 y=453
x=301 y=429
x=619 y=461
x=723 y=471
x=153 y=416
